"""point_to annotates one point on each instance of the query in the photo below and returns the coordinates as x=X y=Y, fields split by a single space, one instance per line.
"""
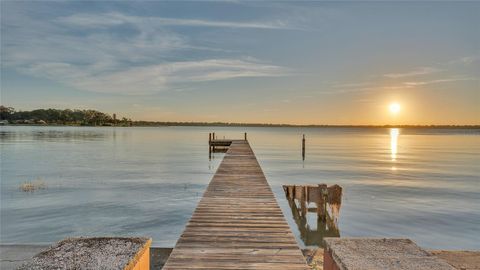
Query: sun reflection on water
x=394 y=132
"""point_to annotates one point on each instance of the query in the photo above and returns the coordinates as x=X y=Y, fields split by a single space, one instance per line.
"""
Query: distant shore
x=77 y=117
x=221 y=124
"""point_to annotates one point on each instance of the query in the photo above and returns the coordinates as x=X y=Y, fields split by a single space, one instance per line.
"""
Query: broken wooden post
x=289 y=191
x=335 y=201
x=321 y=195
x=313 y=193
x=335 y=194
x=299 y=195
x=322 y=202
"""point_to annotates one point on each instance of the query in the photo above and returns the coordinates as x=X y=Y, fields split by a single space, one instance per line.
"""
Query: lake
x=423 y=184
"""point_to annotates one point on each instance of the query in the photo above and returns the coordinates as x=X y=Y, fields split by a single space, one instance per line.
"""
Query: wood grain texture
x=237 y=223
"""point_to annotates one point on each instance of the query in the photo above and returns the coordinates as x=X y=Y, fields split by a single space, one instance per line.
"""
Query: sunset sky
x=298 y=63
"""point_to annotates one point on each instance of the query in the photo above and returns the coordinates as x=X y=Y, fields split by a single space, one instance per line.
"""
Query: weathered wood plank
x=237 y=223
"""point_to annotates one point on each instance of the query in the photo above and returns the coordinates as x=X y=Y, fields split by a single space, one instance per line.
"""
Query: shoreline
x=195 y=124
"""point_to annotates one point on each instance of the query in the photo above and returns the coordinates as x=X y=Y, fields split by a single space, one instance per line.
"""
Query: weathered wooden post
x=213 y=143
x=335 y=201
x=245 y=136
x=303 y=200
x=303 y=147
x=209 y=145
x=322 y=202
x=289 y=191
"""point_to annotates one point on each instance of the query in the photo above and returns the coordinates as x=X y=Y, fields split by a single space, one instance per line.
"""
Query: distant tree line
x=96 y=118
x=60 y=117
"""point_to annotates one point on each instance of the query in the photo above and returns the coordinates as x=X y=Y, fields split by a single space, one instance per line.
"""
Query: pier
x=237 y=223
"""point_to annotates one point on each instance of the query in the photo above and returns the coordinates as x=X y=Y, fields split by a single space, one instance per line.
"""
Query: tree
x=6 y=113
x=55 y=116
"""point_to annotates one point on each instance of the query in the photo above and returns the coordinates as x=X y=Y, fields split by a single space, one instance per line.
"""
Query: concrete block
x=378 y=254
x=119 y=253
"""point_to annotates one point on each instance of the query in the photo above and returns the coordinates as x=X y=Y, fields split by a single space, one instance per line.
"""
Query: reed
x=31 y=186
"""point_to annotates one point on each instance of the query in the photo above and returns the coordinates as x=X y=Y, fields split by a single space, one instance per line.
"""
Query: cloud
x=351 y=85
x=115 y=18
x=342 y=88
x=452 y=79
x=469 y=59
x=466 y=60
x=27 y=41
x=416 y=72
x=142 y=57
x=155 y=78
x=358 y=87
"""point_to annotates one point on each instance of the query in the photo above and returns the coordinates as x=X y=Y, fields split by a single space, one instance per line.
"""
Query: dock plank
x=237 y=223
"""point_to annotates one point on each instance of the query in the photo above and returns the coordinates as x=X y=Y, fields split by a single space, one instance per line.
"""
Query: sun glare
x=394 y=108
x=394 y=132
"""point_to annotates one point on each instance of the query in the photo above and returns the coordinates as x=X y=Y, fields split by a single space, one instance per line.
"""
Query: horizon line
x=256 y=124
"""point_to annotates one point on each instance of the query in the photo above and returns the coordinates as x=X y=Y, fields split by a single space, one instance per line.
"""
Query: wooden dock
x=238 y=223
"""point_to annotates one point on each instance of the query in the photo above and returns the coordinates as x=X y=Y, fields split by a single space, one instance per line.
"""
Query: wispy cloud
x=350 y=90
x=369 y=86
x=97 y=58
x=351 y=85
x=446 y=80
x=115 y=18
x=154 y=78
x=465 y=60
x=415 y=72
x=469 y=59
x=415 y=78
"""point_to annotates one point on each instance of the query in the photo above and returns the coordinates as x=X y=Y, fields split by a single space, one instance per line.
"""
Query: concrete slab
x=378 y=254
x=13 y=256
x=93 y=253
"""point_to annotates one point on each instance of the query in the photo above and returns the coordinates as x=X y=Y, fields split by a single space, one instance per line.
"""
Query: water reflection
x=54 y=135
x=394 y=132
x=327 y=210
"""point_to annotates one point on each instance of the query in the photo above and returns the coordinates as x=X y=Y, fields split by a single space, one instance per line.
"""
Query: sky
x=256 y=62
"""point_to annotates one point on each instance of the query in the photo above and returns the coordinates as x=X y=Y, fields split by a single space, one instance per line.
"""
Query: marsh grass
x=31 y=186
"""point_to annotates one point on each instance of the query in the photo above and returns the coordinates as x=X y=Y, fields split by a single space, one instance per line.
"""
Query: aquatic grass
x=31 y=186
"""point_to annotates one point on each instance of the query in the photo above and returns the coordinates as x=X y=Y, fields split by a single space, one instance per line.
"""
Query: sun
x=394 y=108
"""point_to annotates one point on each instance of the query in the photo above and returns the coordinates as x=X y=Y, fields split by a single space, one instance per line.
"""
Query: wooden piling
x=213 y=145
x=322 y=203
x=321 y=195
x=245 y=136
x=303 y=147
x=209 y=145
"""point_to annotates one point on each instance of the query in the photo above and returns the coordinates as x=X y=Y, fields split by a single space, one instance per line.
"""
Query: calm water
x=421 y=184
